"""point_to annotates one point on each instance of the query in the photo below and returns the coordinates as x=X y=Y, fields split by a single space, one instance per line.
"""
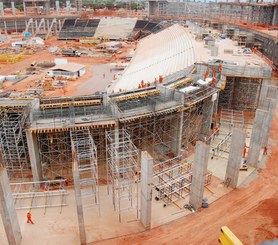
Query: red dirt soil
x=250 y=212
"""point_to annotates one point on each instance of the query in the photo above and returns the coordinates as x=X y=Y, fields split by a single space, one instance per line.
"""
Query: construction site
x=138 y=127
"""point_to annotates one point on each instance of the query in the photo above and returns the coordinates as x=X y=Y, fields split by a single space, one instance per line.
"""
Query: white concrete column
x=256 y=140
x=7 y=210
x=207 y=116
x=13 y=8
x=146 y=189
x=57 y=8
x=33 y=149
x=199 y=175
x=1 y=9
x=177 y=134
x=235 y=157
x=68 y=7
x=268 y=122
x=79 y=205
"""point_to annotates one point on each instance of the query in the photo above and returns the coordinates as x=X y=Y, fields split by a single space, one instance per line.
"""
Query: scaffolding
x=40 y=194
x=172 y=180
x=122 y=171
x=13 y=144
x=85 y=156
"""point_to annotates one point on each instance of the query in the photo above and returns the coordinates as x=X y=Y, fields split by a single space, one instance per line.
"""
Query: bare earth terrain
x=250 y=212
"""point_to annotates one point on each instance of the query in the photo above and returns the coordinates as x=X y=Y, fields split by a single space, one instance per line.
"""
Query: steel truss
x=85 y=155
x=122 y=170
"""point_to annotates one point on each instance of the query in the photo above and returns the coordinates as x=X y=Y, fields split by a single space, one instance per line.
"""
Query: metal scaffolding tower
x=122 y=170
x=85 y=157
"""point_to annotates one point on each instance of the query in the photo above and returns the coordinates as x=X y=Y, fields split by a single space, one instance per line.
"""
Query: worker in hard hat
x=29 y=219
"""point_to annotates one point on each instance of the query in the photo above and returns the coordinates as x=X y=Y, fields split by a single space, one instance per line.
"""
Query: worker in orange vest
x=244 y=151
x=29 y=219
x=220 y=67
x=206 y=75
x=265 y=151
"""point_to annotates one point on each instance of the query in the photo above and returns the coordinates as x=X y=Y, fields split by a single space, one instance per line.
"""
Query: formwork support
x=146 y=189
x=235 y=157
x=13 y=8
x=7 y=210
x=199 y=175
x=256 y=140
x=33 y=148
x=68 y=7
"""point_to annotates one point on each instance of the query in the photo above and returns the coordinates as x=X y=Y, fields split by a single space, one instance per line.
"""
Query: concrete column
x=24 y=8
x=7 y=210
x=57 y=8
x=13 y=8
x=79 y=206
x=47 y=8
x=263 y=101
x=146 y=189
x=68 y=7
x=235 y=157
x=1 y=9
x=275 y=16
x=199 y=174
x=268 y=122
x=207 y=116
x=177 y=135
x=33 y=149
x=256 y=140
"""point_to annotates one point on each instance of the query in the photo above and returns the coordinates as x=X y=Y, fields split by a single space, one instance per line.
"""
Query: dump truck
x=70 y=52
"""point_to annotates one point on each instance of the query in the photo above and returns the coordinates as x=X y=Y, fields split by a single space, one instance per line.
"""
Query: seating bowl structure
x=159 y=54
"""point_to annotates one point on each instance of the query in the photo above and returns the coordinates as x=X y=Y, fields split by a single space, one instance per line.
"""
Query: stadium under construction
x=184 y=100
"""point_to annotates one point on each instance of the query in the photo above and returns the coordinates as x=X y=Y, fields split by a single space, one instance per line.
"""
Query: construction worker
x=160 y=79
x=244 y=151
x=220 y=67
x=206 y=75
x=265 y=151
x=29 y=219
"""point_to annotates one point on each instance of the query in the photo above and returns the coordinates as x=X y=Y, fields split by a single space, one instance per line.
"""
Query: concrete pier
x=57 y=7
x=235 y=157
x=1 y=9
x=268 y=122
x=207 y=117
x=177 y=134
x=33 y=149
x=68 y=7
x=7 y=210
x=79 y=205
x=199 y=174
x=256 y=140
x=146 y=189
x=13 y=8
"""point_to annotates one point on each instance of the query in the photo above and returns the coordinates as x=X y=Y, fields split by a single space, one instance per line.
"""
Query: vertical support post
x=1 y=9
x=275 y=16
x=57 y=8
x=199 y=174
x=177 y=134
x=263 y=101
x=68 y=7
x=24 y=8
x=7 y=210
x=13 y=8
x=47 y=8
x=33 y=149
x=79 y=208
x=146 y=189
x=235 y=157
x=267 y=122
x=207 y=116
x=256 y=140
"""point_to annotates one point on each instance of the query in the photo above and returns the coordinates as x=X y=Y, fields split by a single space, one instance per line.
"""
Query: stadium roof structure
x=159 y=54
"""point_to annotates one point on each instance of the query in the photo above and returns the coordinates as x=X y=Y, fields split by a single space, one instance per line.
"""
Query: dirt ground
x=250 y=212
x=87 y=84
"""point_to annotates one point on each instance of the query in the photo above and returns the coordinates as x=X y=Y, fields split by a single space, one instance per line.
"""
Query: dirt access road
x=250 y=212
